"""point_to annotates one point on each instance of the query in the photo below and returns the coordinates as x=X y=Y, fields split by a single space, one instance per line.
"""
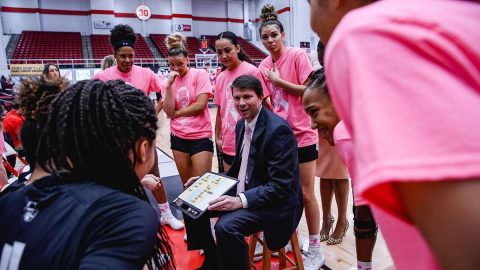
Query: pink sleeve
x=154 y=82
x=202 y=83
x=263 y=79
x=257 y=73
x=303 y=67
x=399 y=117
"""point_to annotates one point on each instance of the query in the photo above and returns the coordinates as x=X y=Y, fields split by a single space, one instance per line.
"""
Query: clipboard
x=194 y=200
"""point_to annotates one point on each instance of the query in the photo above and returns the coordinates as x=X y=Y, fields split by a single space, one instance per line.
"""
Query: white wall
x=183 y=7
x=15 y=23
x=66 y=23
x=301 y=21
x=77 y=5
x=235 y=11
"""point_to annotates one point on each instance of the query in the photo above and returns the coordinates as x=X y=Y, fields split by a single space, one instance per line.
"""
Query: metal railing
x=91 y=63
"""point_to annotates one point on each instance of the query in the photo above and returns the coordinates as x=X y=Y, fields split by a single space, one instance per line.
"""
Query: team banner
x=26 y=69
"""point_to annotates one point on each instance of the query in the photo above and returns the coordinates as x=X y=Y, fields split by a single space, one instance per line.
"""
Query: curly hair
x=176 y=44
x=122 y=34
x=36 y=93
x=270 y=17
x=91 y=131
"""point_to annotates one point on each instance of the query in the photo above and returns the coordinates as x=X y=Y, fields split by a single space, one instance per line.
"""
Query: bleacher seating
x=251 y=50
x=48 y=45
x=159 y=41
x=101 y=47
x=193 y=45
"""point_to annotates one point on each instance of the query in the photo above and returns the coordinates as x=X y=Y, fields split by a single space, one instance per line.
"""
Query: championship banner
x=26 y=69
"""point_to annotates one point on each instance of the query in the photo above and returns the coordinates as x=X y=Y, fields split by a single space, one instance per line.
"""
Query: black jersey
x=58 y=224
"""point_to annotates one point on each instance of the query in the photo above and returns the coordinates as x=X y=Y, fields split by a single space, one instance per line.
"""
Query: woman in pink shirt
x=406 y=84
x=123 y=40
x=318 y=105
x=235 y=63
x=185 y=102
x=286 y=71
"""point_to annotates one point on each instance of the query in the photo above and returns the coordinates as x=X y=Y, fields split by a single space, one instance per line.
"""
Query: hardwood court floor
x=338 y=257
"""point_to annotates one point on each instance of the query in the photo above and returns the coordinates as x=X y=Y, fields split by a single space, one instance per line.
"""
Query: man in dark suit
x=268 y=196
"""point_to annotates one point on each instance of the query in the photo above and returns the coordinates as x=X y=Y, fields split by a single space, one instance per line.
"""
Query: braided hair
x=318 y=82
x=122 y=35
x=233 y=38
x=270 y=17
x=91 y=131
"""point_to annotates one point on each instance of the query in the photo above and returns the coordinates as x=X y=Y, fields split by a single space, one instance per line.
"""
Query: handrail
x=91 y=63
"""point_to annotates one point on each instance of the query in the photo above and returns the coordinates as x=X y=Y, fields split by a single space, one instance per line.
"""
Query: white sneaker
x=313 y=260
x=168 y=219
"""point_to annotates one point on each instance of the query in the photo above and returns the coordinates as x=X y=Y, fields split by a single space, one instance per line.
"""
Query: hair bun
x=269 y=13
x=175 y=40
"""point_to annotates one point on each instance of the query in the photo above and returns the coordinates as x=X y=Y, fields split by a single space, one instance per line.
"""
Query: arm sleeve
x=280 y=169
x=257 y=73
x=154 y=83
x=202 y=83
x=303 y=67
x=397 y=109
x=121 y=234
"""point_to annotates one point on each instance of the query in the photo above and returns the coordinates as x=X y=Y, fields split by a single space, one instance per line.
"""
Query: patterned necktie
x=242 y=174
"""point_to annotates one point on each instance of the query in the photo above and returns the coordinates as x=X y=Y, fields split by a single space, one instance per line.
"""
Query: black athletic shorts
x=191 y=147
x=307 y=153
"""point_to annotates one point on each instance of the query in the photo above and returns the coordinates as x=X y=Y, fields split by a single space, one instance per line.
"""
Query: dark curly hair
x=34 y=96
x=91 y=131
x=122 y=35
x=36 y=93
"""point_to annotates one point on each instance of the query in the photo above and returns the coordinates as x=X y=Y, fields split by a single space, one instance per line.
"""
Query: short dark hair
x=248 y=82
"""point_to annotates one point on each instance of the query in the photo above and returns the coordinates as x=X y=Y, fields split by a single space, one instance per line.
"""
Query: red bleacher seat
x=48 y=45
x=101 y=47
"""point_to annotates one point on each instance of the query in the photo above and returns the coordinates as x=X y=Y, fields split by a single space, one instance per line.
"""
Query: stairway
x=153 y=48
x=87 y=51
x=12 y=44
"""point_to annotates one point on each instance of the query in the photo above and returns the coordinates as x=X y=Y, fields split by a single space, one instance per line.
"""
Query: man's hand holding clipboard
x=207 y=193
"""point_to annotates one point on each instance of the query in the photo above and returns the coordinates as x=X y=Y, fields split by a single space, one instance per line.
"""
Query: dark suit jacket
x=273 y=187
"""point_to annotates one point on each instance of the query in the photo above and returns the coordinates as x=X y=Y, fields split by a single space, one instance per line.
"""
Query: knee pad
x=365 y=226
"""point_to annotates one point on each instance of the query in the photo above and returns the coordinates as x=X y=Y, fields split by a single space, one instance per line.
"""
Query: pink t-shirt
x=344 y=147
x=186 y=89
x=141 y=78
x=223 y=98
x=406 y=84
x=294 y=66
